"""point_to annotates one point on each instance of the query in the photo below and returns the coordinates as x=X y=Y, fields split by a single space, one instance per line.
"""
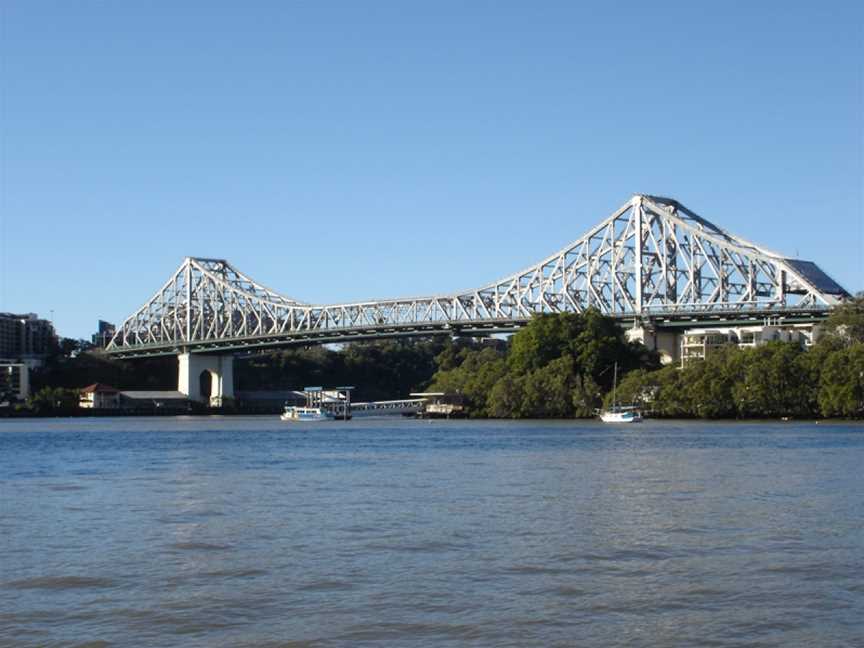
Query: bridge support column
x=666 y=343
x=195 y=370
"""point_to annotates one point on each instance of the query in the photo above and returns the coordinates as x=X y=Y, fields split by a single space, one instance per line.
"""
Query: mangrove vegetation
x=559 y=366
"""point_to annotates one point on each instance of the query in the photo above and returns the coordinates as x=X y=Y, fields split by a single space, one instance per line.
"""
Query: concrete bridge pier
x=206 y=378
x=666 y=343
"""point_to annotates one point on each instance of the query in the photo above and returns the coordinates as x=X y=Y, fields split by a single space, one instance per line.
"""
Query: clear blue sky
x=346 y=150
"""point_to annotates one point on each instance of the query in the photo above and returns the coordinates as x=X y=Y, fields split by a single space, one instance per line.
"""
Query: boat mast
x=614 y=387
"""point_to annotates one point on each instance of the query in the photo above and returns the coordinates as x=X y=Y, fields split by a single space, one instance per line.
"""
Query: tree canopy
x=556 y=366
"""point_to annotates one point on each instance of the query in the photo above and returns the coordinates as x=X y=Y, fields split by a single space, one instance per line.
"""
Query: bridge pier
x=196 y=371
x=666 y=343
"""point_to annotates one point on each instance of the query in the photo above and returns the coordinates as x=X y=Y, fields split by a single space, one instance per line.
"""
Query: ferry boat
x=321 y=405
x=312 y=414
x=620 y=413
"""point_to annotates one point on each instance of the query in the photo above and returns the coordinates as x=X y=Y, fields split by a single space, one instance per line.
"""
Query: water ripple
x=61 y=583
x=218 y=532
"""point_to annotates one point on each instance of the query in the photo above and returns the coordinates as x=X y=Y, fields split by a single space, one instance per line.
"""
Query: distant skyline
x=340 y=151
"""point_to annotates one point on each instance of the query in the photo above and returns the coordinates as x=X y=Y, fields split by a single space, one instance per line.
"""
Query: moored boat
x=311 y=414
x=620 y=413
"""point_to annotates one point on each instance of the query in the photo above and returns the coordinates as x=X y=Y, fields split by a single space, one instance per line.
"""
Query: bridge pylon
x=196 y=370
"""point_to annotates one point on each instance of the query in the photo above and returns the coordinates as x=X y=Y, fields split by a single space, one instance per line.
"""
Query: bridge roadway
x=672 y=321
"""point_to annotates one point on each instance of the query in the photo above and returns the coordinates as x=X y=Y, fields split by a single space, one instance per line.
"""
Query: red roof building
x=99 y=396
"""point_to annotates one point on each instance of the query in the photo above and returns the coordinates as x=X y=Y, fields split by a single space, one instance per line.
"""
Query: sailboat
x=620 y=413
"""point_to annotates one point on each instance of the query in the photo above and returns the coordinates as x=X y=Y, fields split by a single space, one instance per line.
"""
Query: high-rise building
x=103 y=335
x=25 y=337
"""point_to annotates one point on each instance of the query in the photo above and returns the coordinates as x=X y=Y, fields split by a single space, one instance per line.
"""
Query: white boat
x=620 y=413
x=312 y=414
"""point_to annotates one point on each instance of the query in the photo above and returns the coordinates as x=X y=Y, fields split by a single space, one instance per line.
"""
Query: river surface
x=251 y=532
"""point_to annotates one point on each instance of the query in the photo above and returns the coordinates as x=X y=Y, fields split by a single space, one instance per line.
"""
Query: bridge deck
x=478 y=329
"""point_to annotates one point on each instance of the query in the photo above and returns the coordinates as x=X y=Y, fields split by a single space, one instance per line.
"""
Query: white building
x=15 y=380
x=683 y=345
x=696 y=344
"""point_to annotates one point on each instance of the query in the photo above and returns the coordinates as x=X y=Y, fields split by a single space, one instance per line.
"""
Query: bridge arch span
x=651 y=258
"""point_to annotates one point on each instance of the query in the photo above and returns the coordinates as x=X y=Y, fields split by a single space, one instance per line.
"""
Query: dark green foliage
x=777 y=379
x=557 y=366
x=473 y=378
x=841 y=388
x=92 y=367
x=774 y=381
x=846 y=322
x=708 y=385
x=390 y=369
x=546 y=338
x=661 y=392
x=379 y=370
x=546 y=391
x=53 y=399
x=586 y=396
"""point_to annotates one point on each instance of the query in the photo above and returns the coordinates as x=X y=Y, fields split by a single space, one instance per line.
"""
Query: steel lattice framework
x=651 y=258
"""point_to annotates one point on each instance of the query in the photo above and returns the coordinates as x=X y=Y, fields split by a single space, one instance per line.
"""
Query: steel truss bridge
x=652 y=260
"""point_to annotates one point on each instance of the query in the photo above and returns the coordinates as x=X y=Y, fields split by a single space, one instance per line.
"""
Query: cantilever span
x=650 y=258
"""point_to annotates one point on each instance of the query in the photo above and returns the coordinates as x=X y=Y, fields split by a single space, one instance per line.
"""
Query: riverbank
x=193 y=409
x=204 y=413
x=557 y=367
x=561 y=366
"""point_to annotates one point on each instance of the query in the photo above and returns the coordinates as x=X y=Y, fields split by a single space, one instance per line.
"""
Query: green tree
x=707 y=385
x=846 y=321
x=773 y=381
x=545 y=338
x=599 y=345
x=378 y=369
x=556 y=366
x=53 y=399
x=547 y=391
x=586 y=397
x=841 y=389
x=507 y=397
x=639 y=387
x=474 y=378
x=667 y=389
x=454 y=351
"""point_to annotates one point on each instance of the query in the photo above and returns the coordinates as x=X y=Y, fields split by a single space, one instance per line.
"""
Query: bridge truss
x=652 y=258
